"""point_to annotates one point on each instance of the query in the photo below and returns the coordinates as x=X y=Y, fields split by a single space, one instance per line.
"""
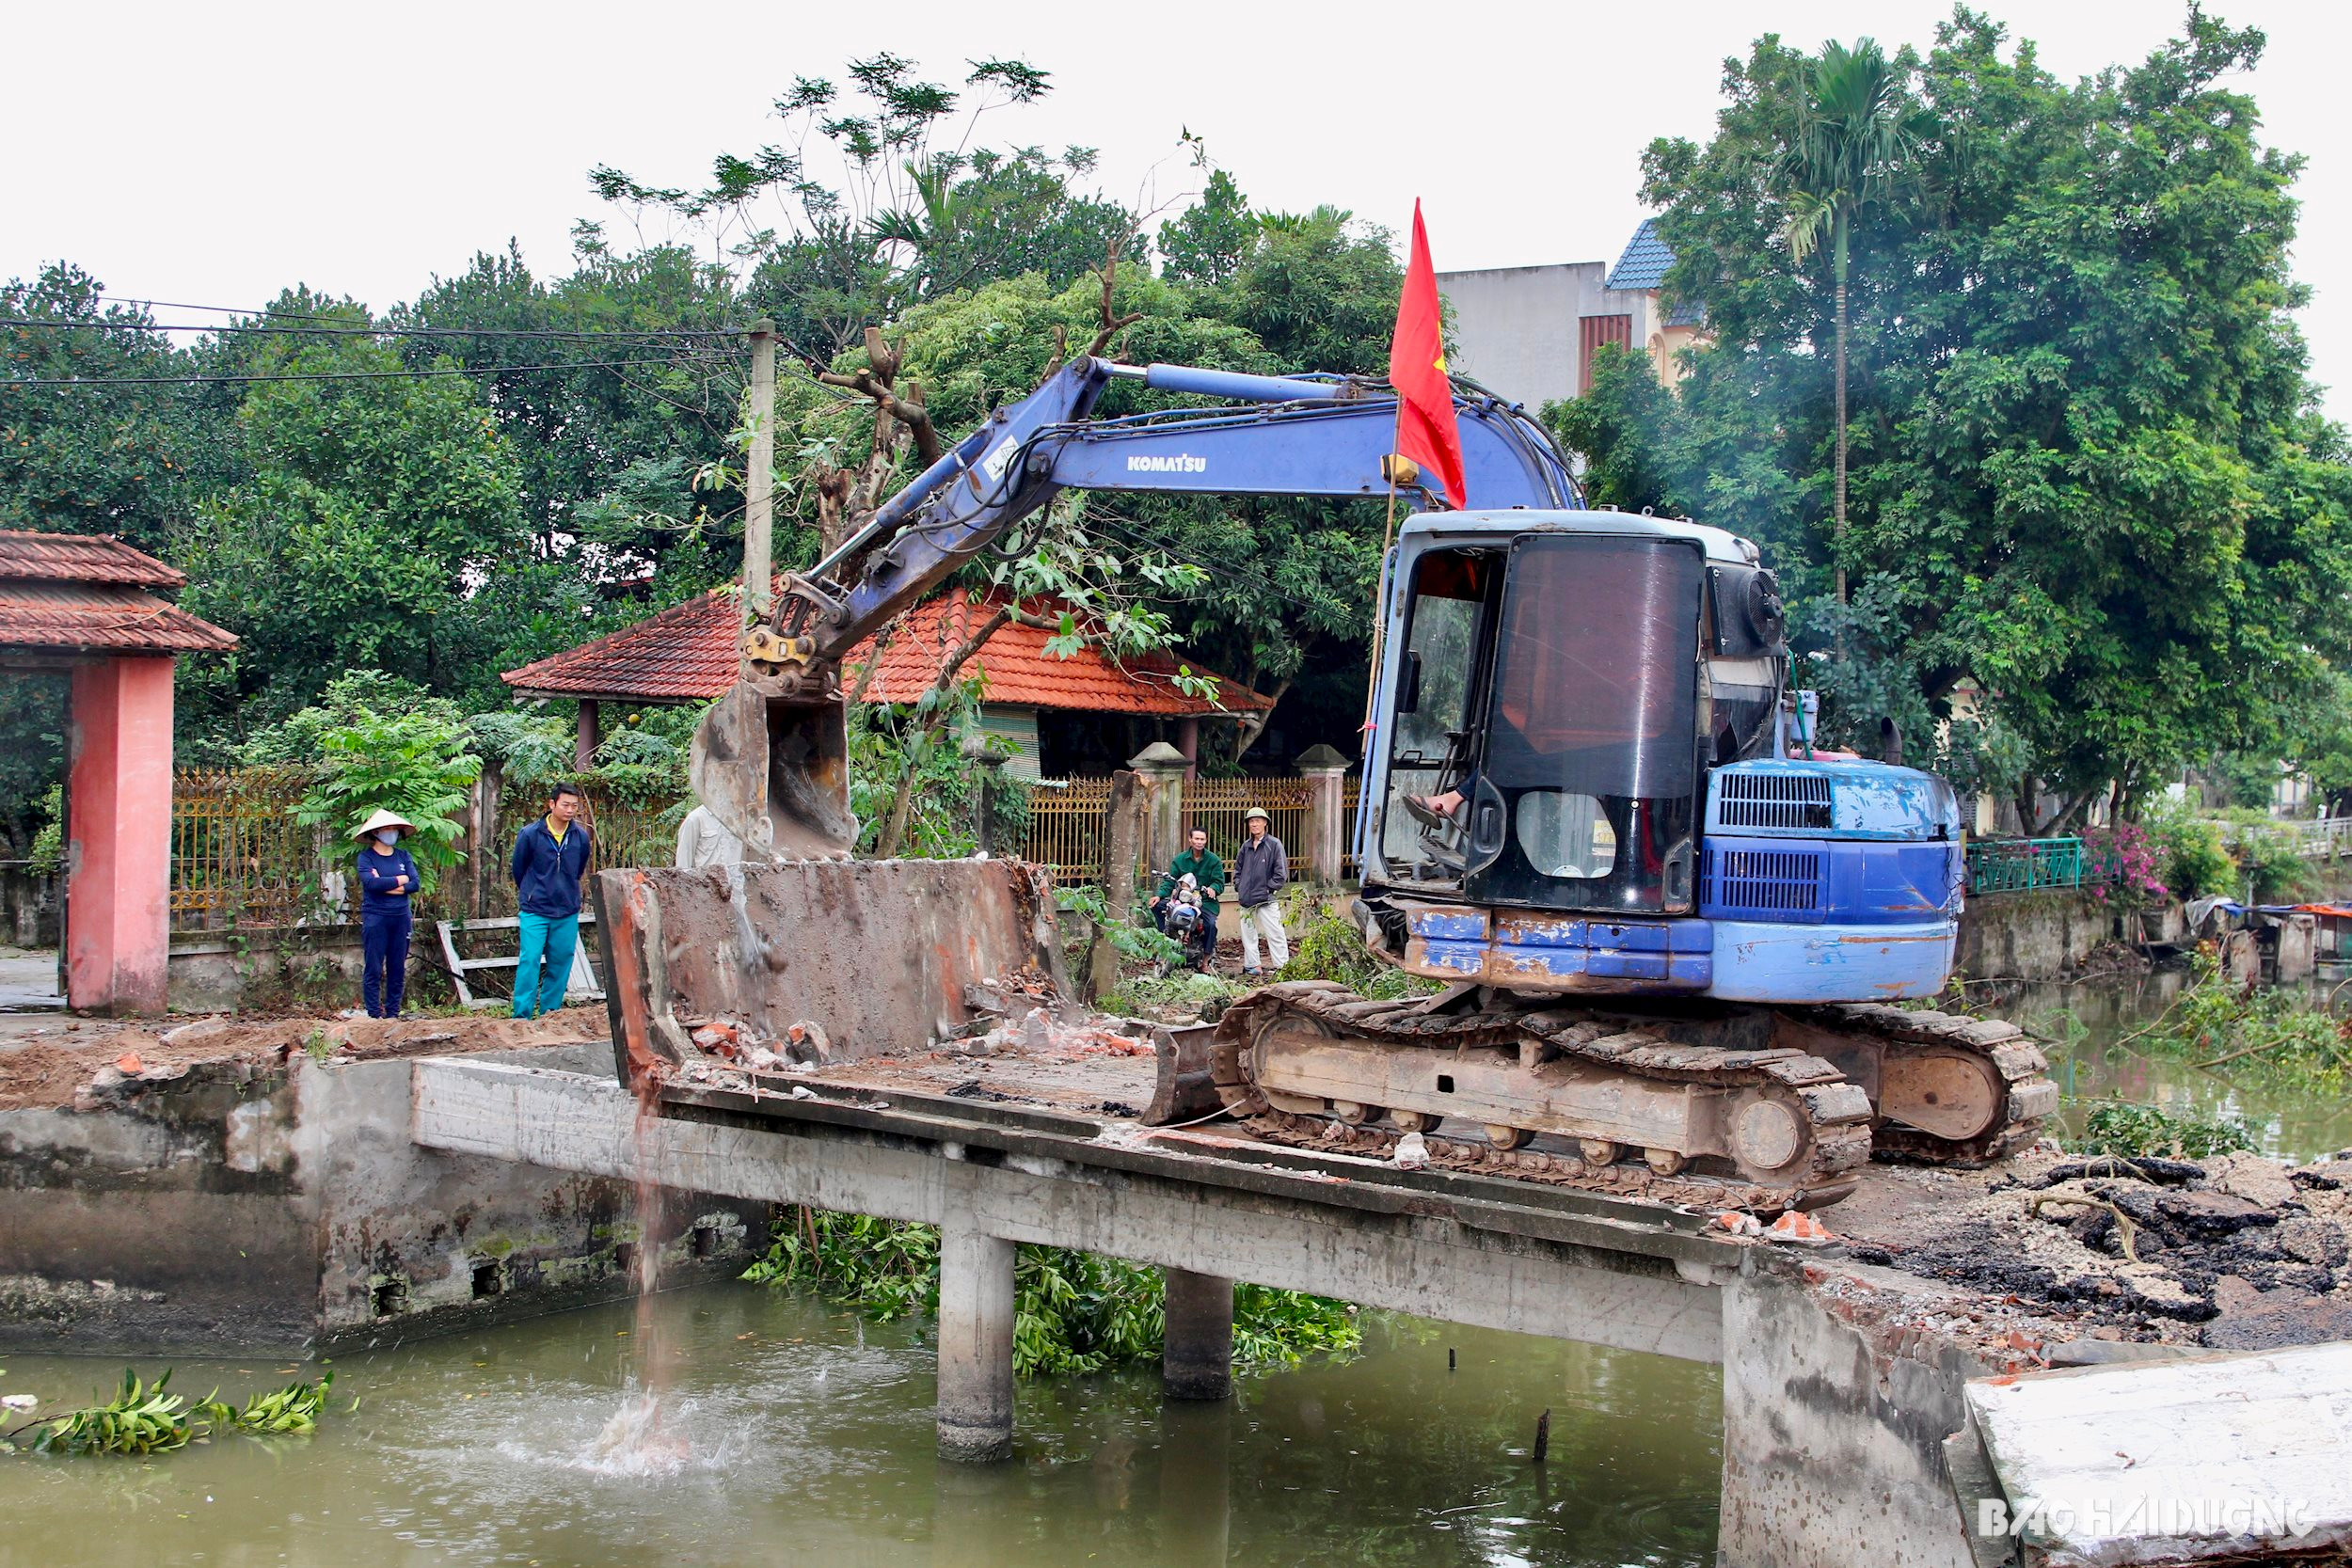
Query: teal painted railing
x=2024 y=865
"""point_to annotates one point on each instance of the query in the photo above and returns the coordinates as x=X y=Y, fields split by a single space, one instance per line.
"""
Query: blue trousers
x=384 y=938
x=539 y=992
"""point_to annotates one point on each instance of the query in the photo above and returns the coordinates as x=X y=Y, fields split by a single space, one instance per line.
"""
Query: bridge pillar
x=1196 y=1353
x=975 y=1344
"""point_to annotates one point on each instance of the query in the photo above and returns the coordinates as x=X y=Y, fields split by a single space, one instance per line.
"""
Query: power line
x=301 y=315
x=6 y=381
x=581 y=335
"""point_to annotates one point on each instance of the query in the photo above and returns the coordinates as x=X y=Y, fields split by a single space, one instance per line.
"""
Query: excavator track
x=1806 y=1131
x=1992 y=1057
x=1552 y=1065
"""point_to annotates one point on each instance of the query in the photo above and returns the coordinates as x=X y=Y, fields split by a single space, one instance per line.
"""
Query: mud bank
x=234 y=1186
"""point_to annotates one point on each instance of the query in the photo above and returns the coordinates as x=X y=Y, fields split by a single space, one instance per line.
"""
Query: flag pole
x=1380 y=608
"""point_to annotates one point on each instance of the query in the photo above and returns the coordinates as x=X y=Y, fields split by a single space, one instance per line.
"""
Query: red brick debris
x=82 y=591
x=688 y=654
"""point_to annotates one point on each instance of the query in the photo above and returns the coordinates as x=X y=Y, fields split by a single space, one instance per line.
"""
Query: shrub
x=2116 y=1128
x=2189 y=856
x=414 y=764
x=1330 y=948
x=2272 y=866
x=2134 y=863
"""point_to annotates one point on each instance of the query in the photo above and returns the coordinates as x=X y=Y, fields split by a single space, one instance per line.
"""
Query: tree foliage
x=2089 y=482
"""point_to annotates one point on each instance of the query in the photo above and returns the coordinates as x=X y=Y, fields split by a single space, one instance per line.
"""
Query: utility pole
x=759 y=506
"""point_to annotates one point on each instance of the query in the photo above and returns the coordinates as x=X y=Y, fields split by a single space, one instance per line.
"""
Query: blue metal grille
x=1761 y=882
x=1776 y=800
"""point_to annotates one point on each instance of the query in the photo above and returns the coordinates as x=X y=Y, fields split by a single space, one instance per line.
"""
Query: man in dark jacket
x=551 y=858
x=1261 y=871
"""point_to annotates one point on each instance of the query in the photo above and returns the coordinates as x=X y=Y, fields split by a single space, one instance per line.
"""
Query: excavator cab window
x=1456 y=593
x=1588 y=787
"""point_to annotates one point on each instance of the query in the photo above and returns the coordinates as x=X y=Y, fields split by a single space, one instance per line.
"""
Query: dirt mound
x=71 y=1061
x=2236 y=1251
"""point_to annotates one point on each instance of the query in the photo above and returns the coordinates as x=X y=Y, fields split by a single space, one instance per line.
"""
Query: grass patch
x=1151 y=995
x=1074 y=1312
x=1330 y=948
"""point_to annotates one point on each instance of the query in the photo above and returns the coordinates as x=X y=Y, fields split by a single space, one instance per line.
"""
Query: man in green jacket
x=1205 y=869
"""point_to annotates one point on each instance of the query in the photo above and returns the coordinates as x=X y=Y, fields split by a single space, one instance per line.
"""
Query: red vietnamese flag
x=1425 y=431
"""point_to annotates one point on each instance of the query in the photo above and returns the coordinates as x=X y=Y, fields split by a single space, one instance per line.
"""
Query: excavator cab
x=1552 y=716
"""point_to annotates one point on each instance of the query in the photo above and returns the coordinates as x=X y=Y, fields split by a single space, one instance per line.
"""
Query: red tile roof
x=82 y=558
x=1018 y=672
x=71 y=615
x=683 y=655
x=81 y=591
x=687 y=654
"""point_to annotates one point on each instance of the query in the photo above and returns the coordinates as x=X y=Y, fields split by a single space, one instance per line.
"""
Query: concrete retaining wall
x=2031 y=936
x=313 y=966
x=236 y=1208
x=1833 y=1425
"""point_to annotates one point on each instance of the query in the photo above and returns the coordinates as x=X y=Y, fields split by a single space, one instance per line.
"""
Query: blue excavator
x=1670 y=930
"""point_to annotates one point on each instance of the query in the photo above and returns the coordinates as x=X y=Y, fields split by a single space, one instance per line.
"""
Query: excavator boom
x=771 y=759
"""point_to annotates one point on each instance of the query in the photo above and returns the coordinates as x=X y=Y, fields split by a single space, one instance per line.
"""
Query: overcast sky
x=213 y=154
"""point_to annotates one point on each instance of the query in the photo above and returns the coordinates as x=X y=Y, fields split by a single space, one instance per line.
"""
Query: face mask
x=387 y=836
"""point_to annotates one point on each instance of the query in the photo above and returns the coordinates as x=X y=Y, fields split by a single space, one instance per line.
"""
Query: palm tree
x=1858 y=139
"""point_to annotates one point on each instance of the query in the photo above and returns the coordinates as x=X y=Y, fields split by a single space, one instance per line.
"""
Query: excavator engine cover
x=820 y=961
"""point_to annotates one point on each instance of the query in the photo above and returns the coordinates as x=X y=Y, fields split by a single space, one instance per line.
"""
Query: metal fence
x=238 y=856
x=2027 y=865
x=622 y=830
x=1067 y=821
x=2328 y=838
x=1067 y=825
x=1217 y=806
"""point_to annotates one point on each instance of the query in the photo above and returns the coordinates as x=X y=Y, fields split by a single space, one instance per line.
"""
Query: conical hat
x=383 y=819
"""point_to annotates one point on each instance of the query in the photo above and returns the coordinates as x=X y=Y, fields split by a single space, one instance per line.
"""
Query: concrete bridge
x=1832 y=1430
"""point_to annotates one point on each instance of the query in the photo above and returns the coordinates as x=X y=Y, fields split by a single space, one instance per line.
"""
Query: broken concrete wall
x=1833 y=1425
x=238 y=1209
x=169 y=1218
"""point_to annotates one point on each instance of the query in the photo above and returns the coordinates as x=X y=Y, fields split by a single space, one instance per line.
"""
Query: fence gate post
x=482 y=857
x=1123 y=842
x=1163 y=768
x=1326 y=772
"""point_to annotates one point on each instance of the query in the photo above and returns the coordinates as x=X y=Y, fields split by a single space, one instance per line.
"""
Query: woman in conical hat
x=388 y=881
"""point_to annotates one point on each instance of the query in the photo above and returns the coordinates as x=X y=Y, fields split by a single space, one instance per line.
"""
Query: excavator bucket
x=819 y=960
x=775 y=769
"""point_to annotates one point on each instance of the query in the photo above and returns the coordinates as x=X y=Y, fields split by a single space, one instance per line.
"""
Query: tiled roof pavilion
x=61 y=593
x=687 y=654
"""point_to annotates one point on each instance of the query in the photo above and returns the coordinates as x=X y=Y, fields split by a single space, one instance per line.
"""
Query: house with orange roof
x=1055 y=715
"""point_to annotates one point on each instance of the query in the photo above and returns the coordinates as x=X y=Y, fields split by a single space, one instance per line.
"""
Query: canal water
x=2086 y=1027
x=789 y=1429
x=794 y=1432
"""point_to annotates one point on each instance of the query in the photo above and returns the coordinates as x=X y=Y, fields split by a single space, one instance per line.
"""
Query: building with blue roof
x=1530 y=334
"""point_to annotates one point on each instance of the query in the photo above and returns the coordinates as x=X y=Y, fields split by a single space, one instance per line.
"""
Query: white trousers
x=1264 y=921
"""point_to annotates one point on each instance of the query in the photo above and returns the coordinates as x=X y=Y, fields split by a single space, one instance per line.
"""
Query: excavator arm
x=770 y=760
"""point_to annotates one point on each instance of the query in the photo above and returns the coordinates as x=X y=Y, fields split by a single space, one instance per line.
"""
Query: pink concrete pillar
x=119 y=865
